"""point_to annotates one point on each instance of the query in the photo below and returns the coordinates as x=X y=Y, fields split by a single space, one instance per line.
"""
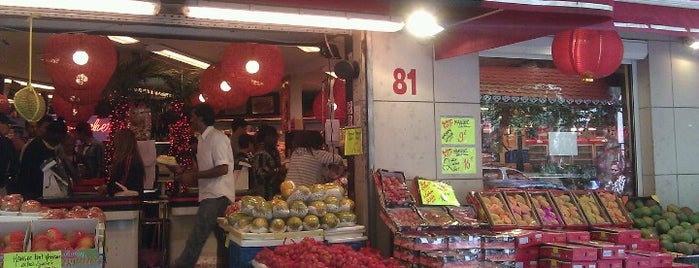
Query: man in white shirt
x=216 y=186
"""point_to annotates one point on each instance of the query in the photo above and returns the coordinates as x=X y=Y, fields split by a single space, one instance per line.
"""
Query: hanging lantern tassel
x=592 y=54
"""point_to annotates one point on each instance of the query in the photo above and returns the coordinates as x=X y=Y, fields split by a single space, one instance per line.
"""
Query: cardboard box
x=616 y=235
x=657 y=259
x=606 y=250
x=573 y=236
x=526 y=238
x=527 y=264
x=682 y=265
x=553 y=237
x=527 y=254
x=498 y=241
x=553 y=263
x=568 y=252
x=499 y=255
x=618 y=263
x=646 y=244
x=636 y=261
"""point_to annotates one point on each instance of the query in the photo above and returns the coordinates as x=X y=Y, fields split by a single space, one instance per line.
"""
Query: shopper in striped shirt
x=308 y=162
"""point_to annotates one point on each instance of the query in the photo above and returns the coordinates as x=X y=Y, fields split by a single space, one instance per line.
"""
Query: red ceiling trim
x=656 y=19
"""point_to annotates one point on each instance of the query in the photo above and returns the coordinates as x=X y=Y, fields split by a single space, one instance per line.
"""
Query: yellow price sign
x=436 y=193
x=44 y=259
x=457 y=130
x=458 y=160
x=353 y=140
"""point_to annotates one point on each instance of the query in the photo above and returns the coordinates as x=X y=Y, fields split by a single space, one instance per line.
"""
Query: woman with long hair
x=308 y=161
x=127 y=166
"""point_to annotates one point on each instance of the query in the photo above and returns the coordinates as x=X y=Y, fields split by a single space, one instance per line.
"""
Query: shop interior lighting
x=694 y=45
x=422 y=24
x=309 y=49
x=124 y=40
x=258 y=14
x=178 y=56
x=24 y=84
x=131 y=7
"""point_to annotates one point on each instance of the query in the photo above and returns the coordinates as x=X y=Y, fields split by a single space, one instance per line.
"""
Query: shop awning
x=512 y=21
x=669 y=20
x=539 y=85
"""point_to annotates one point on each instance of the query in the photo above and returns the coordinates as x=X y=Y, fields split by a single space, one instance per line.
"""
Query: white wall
x=669 y=123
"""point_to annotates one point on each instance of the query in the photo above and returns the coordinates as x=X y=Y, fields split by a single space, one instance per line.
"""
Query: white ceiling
x=306 y=69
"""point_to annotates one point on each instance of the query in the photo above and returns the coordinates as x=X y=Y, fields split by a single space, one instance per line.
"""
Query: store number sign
x=458 y=160
x=404 y=82
x=44 y=259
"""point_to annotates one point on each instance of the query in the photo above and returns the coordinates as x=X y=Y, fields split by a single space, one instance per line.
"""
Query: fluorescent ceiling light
x=422 y=24
x=124 y=40
x=169 y=53
x=131 y=7
x=332 y=74
x=694 y=45
x=309 y=49
x=291 y=16
x=35 y=85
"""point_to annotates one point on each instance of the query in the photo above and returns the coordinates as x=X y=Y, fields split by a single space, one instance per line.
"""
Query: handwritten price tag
x=436 y=193
x=458 y=160
x=44 y=259
x=457 y=130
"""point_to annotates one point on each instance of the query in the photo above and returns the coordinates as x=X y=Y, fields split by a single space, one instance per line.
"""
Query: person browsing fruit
x=216 y=182
x=308 y=161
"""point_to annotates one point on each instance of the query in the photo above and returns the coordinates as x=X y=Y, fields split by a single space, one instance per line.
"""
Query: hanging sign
x=458 y=160
x=457 y=130
x=353 y=140
x=436 y=193
x=45 y=259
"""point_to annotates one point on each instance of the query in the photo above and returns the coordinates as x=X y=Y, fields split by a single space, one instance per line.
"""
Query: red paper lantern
x=212 y=84
x=5 y=106
x=80 y=62
x=71 y=112
x=80 y=97
x=589 y=53
x=320 y=103
x=256 y=69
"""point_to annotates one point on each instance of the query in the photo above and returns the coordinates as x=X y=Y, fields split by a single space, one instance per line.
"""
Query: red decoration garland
x=180 y=132
x=590 y=53
x=119 y=121
x=271 y=67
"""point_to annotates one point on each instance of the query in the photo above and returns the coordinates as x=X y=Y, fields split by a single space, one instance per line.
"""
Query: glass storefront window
x=555 y=127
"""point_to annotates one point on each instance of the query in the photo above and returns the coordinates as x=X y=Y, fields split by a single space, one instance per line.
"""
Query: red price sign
x=400 y=86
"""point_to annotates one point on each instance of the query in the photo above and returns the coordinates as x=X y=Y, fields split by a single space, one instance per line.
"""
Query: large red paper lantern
x=320 y=103
x=5 y=107
x=81 y=97
x=71 y=112
x=218 y=91
x=589 y=53
x=79 y=62
x=256 y=69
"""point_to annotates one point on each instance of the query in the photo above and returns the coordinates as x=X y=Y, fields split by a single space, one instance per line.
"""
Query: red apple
x=73 y=236
x=30 y=206
x=54 y=234
x=14 y=236
x=60 y=245
x=40 y=243
x=87 y=241
x=14 y=246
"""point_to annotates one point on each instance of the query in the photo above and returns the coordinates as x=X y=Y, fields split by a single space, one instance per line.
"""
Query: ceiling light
x=224 y=86
x=252 y=66
x=169 y=53
x=309 y=49
x=201 y=98
x=291 y=16
x=694 y=45
x=80 y=57
x=422 y=24
x=124 y=40
x=35 y=85
x=131 y=7
x=331 y=74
